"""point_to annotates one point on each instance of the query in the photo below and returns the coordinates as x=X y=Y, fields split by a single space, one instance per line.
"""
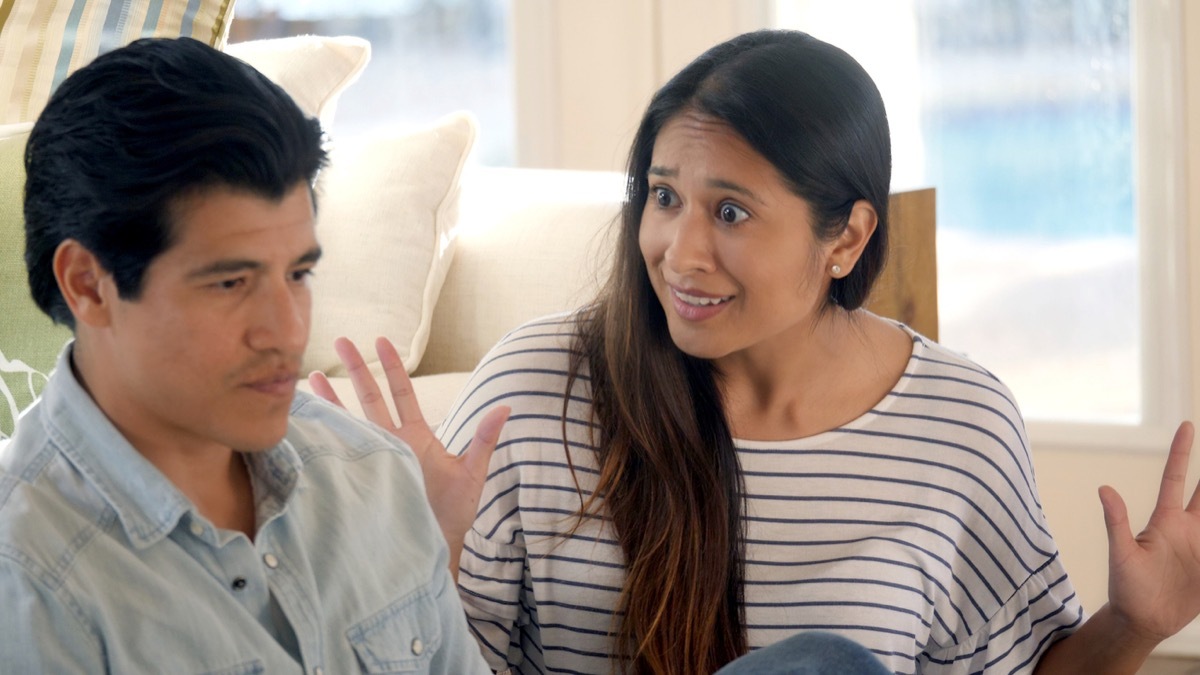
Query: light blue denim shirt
x=106 y=567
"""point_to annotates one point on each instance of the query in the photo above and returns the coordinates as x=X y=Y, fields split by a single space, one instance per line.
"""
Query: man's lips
x=275 y=384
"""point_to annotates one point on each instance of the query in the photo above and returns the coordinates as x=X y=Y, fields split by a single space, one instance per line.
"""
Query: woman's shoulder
x=543 y=344
x=528 y=370
x=933 y=363
x=553 y=330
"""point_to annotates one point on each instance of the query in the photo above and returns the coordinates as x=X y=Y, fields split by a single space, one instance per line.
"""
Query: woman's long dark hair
x=670 y=480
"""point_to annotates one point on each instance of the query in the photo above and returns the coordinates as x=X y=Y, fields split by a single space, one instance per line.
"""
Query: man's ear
x=851 y=242
x=84 y=283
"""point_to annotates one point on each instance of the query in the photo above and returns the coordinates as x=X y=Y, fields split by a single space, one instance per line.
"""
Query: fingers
x=1170 y=491
x=479 y=452
x=1182 y=445
x=1116 y=521
x=399 y=384
x=321 y=387
x=369 y=397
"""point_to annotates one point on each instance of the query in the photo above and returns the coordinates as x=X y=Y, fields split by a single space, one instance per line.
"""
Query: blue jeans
x=810 y=653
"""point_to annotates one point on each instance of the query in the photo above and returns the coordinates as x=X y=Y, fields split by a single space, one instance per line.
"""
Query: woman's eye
x=664 y=197
x=731 y=214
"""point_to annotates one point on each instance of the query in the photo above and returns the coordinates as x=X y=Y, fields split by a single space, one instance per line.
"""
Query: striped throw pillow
x=43 y=41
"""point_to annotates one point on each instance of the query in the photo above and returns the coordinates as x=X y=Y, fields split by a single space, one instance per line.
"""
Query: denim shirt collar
x=148 y=505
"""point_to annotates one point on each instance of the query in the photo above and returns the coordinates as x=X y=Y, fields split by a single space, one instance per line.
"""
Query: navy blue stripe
x=581 y=561
x=531 y=486
x=575 y=629
x=969 y=383
x=488 y=598
x=969 y=366
x=482 y=639
x=487 y=558
x=575 y=584
x=515 y=465
x=578 y=608
x=917 y=568
x=984 y=484
x=949 y=515
x=924 y=527
x=450 y=421
x=841 y=603
x=500 y=523
x=484 y=577
x=932 y=487
x=836 y=626
x=1020 y=465
x=901 y=523
x=576 y=536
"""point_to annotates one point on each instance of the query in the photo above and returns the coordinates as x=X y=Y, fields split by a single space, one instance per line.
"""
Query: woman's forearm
x=1104 y=645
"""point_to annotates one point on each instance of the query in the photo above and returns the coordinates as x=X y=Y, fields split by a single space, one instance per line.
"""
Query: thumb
x=479 y=453
x=1116 y=521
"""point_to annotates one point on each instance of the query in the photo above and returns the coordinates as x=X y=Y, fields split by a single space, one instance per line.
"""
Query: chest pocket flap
x=400 y=638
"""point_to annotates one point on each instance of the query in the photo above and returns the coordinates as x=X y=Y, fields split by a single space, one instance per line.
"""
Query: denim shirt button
x=270 y=561
x=417 y=646
x=197 y=529
x=318 y=671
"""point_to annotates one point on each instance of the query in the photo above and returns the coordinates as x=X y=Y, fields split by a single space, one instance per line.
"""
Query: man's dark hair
x=128 y=136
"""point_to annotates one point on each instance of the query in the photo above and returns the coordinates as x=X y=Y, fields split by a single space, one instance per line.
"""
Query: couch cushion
x=43 y=42
x=385 y=215
x=531 y=242
x=29 y=341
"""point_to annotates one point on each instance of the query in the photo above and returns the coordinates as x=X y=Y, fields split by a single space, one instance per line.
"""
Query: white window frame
x=613 y=55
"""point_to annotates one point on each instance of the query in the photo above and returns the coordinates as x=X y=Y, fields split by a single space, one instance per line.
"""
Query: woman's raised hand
x=453 y=482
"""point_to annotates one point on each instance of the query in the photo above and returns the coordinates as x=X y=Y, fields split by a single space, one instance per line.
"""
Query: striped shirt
x=914 y=530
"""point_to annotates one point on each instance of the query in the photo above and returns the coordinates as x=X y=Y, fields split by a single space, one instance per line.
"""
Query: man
x=171 y=504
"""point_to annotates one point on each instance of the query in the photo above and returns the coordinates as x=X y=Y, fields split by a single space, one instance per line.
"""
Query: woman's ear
x=851 y=242
x=80 y=277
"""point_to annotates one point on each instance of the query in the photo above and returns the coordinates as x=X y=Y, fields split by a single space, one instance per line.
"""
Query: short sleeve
x=1042 y=610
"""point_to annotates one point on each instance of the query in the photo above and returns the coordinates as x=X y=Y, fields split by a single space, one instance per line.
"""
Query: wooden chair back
x=907 y=288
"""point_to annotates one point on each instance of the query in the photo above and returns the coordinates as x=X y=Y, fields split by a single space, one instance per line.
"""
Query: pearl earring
x=837 y=270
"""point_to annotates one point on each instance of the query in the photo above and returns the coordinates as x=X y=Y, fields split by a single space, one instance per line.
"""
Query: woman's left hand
x=1154 y=578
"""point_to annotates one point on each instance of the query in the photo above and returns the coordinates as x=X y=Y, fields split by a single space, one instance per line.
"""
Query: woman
x=725 y=450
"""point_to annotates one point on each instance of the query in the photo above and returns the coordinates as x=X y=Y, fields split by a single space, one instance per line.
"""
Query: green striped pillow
x=43 y=41
x=29 y=341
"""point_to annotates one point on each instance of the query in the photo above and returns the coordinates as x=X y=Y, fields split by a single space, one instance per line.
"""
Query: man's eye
x=230 y=284
x=301 y=275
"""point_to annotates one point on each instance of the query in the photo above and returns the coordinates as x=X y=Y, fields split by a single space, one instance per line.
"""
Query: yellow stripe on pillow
x=43 y=41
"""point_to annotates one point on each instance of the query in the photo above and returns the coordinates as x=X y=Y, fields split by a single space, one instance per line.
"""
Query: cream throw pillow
x=42 y=42
x=312 y=69
x=387 y=206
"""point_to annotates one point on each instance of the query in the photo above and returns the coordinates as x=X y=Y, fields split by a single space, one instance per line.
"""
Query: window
x=1021 y=115
x=428 y=58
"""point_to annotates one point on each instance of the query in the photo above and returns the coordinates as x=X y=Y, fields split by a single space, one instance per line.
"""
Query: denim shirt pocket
x=400 y=638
